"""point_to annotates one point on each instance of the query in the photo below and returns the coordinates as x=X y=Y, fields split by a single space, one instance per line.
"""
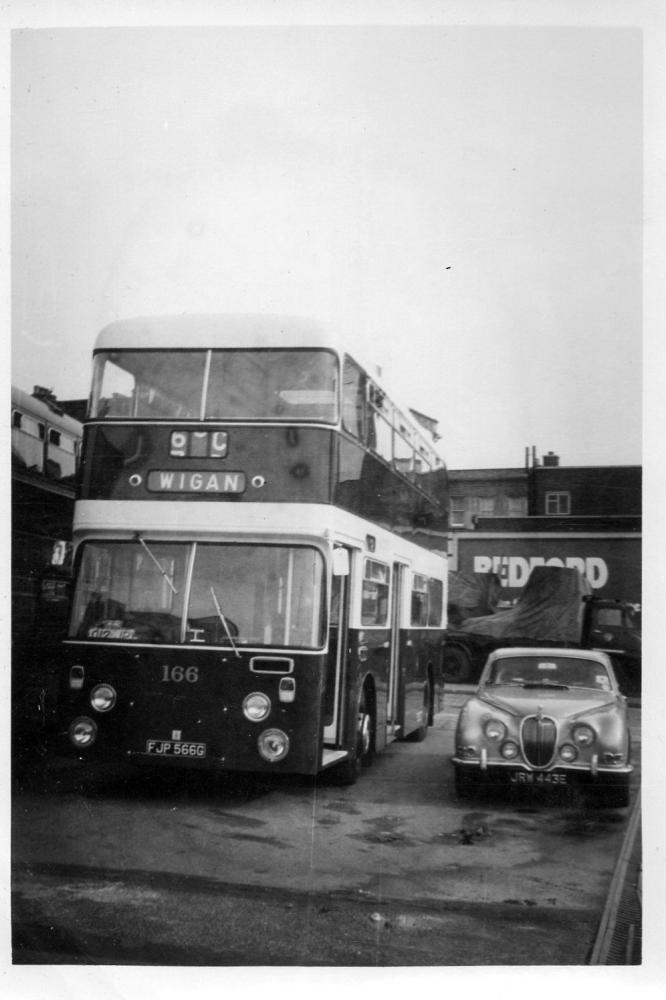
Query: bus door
x=392 y=707
x=337 y=665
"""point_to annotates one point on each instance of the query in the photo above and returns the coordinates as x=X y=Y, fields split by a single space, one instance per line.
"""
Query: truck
x=556 y=607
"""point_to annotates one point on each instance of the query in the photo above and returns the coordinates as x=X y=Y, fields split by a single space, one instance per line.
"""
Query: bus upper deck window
x=149 y=384
x=272 y=384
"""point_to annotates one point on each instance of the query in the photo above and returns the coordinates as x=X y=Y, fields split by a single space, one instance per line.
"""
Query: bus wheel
x=457 y=666
x=418 y=735
x=349 y=771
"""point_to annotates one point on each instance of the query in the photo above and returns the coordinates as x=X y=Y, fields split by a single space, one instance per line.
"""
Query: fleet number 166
x=178 y=674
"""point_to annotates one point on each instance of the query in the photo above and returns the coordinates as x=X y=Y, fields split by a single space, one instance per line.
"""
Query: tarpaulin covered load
x=472 y=595
x=550 y=608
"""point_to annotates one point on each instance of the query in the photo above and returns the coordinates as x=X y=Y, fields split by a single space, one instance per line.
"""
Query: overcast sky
x=465 y=200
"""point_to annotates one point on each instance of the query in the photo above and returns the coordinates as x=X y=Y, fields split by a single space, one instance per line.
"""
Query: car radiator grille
x=539 y=736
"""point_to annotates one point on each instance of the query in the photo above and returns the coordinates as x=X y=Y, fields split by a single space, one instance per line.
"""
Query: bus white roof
x=215 y=331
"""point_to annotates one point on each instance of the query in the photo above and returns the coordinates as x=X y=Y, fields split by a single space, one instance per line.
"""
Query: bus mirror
x=340 y=562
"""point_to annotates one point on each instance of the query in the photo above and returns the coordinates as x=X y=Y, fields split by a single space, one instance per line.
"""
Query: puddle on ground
x=384 y=830
x=272 y=841
x=343 y=806
x=233 y=819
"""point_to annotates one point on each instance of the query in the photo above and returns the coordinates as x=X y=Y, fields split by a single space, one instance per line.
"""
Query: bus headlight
x=273 y=745
x=256 y=706
x=103 y=698
x=83 y=732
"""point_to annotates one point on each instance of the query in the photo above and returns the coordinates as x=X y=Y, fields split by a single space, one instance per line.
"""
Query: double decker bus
x=251 y=588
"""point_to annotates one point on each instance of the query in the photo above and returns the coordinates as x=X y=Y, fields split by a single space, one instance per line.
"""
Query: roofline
x=209 y=330
x=37 y=408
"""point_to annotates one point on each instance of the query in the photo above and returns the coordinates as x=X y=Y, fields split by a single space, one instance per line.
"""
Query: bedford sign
x=610 y=562
x=513 y=571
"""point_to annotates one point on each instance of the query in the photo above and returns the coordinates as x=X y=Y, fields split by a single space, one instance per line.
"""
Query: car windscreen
x=549 y=671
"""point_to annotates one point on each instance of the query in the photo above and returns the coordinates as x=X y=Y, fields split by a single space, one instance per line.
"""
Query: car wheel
x=467 y=782
x=616 y=797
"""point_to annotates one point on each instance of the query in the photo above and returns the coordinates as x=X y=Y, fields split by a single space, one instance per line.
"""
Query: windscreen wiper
x=224 y=622
x=157 y=563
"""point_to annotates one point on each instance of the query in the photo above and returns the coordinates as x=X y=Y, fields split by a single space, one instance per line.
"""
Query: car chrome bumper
x=599 y=772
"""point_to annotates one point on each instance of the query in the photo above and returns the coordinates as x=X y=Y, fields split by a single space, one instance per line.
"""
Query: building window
x=484 y=506
x=558 y=503
x=17 y=417
x=457 y=514
x=516 y=506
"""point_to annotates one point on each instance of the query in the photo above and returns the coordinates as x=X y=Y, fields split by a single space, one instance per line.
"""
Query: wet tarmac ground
x=395 y=871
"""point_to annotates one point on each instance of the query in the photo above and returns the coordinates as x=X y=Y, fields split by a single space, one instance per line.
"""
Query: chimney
x=47 y=396
x=551 y=460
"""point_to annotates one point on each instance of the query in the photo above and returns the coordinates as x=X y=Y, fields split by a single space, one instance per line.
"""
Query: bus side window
x=435 y=602
x=419 y=614
x=375 y=603
x=354 y=400
x=336 y=587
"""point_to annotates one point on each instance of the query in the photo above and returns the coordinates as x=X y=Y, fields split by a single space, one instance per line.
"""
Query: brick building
x=568 y=495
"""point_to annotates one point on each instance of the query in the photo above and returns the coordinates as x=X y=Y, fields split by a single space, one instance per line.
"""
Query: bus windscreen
x=262 y=384
x=200 y=594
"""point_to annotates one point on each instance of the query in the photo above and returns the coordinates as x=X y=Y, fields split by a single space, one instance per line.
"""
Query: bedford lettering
x=513 y=571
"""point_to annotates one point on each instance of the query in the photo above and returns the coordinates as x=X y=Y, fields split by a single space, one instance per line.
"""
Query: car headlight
x=494 y=730
x=256 y=706
x=509 y=750
x=82 y=732
x=583 y=735
x=103 y=698
x=568 y=753
x=273 y=745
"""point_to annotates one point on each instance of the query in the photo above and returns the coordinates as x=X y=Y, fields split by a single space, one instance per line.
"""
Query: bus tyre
x=418 y=735
x=457 y=666
x=349 y=771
